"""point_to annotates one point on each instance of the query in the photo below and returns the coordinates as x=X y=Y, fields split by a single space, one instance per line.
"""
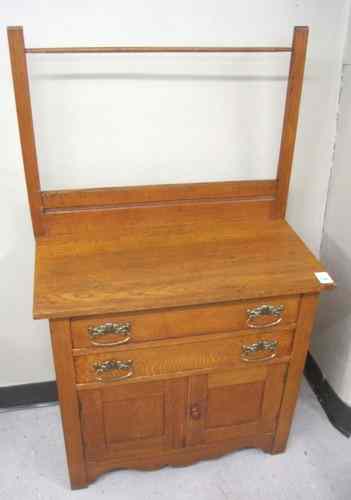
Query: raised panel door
x=231 y=403
x=124 y=418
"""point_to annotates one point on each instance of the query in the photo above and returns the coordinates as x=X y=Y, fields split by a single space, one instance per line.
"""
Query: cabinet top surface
x=169 y=267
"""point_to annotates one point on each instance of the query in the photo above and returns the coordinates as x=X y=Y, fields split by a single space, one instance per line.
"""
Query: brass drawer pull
x=111 y=365
x=121 y=330
x=262 y=346
x=265 y=310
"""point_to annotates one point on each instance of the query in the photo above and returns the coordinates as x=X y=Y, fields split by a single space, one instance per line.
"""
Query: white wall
x=331 y=343
x=185 y=22
x=159 y=118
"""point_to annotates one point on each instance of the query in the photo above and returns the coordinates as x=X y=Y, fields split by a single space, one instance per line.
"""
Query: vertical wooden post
x=25 y=123
x=291 y=114
x=69 y=405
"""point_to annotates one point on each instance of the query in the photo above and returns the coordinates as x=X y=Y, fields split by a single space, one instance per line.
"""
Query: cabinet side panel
x=293 y=380
x=62 y=349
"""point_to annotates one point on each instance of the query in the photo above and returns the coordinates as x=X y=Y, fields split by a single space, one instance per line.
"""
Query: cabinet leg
x=301 y=342
x=65 y=378
x=77 y=482
x=277 y=447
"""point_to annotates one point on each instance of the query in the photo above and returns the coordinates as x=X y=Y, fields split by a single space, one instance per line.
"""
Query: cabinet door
x=116 y=419
x=231 y=403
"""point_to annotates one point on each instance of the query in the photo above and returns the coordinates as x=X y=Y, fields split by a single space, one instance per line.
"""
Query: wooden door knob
x=195 y=412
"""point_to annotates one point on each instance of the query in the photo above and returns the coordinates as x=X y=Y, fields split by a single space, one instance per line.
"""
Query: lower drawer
x=179 y=356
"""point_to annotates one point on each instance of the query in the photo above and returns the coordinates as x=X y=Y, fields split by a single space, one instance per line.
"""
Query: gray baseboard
x=338 y=412
x=28 y=394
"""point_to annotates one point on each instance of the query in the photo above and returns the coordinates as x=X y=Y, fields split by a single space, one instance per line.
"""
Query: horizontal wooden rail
x=113 y=196
x=81 y=50
x=175 y=215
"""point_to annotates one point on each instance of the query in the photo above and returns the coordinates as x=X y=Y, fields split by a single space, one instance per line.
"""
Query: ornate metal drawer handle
x=264 y=346
x=119 y=329
x=102 y=367
x=265 y=310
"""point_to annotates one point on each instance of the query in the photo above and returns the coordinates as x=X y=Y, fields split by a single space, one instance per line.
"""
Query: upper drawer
x=112 y=330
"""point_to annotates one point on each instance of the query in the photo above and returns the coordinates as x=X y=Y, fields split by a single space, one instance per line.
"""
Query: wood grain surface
x=25 y=124
x=69 y=406
x=182 y=322
x=119 y=196
x=180 y=356
x=291 y=116
x=293 y=381
x=157 y=268
x=150 y=459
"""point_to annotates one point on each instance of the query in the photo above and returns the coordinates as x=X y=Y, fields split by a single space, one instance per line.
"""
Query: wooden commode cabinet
x=180 y=315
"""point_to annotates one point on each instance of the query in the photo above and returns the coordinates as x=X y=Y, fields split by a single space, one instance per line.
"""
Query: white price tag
x=324 y=278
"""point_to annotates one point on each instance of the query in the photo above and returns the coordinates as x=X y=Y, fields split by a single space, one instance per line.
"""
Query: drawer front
x=180 y=356
x=109 y=331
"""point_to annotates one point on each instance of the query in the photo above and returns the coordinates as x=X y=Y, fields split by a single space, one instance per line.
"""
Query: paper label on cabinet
x=324 y=278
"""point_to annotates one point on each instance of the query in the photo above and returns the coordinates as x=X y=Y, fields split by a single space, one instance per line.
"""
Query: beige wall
x=24 y=348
